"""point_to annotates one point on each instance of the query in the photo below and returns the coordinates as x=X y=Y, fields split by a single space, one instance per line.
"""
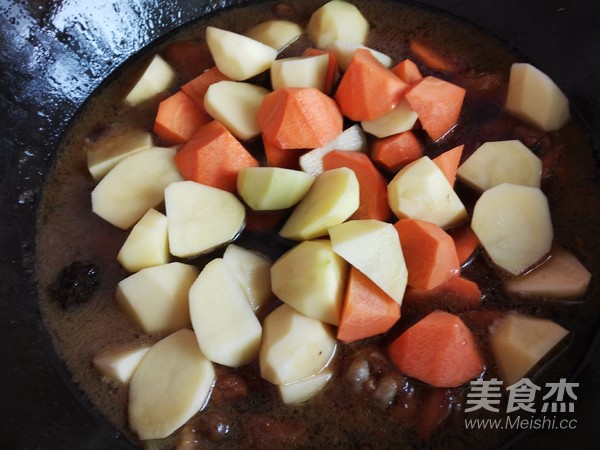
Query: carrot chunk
x=367 y=311
x=279 y=157
x=431 y=58
x=429 y=253
x=396 y=151
x=439 y=350
x=294 y=118
x=373 y=187
x=448 y=162
x=333 y=70
x=438 y=104
x=213 y=156
x=188 y=58
x=457 y=293
x=368 y=89
x=196 y=88
x=178 y=118
x=408 y=71
x=465 y=241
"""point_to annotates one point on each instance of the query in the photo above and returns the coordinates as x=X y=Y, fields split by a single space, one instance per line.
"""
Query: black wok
x=53 y=55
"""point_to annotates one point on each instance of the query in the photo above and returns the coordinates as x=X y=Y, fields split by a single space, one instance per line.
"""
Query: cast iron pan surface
x=54 y=54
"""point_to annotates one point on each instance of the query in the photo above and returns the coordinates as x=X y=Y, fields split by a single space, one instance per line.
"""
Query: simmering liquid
x=244 y=410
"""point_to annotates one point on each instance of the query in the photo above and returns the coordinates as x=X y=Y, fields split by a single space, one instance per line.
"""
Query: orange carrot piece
x=448 y=162
x=188 y=58
x=332 y=68
x=396 y=151
x=408 y=71
x=196 y=88
x=430 y=57
x=294 y=118
x=368 y=89
x=213 y=156
x=438 y=104
x=429 y=253
x=178 y=118
x=439 y=350
x=373 y=187
x=367 y=310
x=465 y=241
x=457 y=293
x=279 y=157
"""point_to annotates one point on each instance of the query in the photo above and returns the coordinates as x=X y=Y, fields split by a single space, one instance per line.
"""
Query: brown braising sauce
x=368 y=404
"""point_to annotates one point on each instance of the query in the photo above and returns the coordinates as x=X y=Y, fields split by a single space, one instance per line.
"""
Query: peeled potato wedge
x=276 y=33
x=172 y=383
x=157 y=77
x=337 y=20
x=534 y=97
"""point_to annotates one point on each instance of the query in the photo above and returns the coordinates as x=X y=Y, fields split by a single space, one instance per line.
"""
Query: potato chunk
x=514 y=226
x=534 y=97
x=519 y=342
x=171 y=384
x=494 y=163
x=337 y=20
x=158 y=76
x=294 y=346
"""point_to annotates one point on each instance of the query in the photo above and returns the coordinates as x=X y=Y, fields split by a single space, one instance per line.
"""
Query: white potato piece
x=156 y=298
x=147 y=244
x=135 y=185
x=272 y=188
x=498 y=162
x=534 y=97
x=421 y=191
x=200 y=218
x=561 y=276
x=294 y=346
x=157 y=77
x=332 y=198
x=311 y=278
x=352 y=139
x=105 y=153
x=519 y=342
x=514 y=226
x=374 y=248
x=301 y=71
x=226 y=327
x=171 y=384
x=253 y=272
x=235 y=104
x=344 y=51
x=337 y=20
x=276 y=33
x=118 y=364
x=401 y=118
x=303 y=390
x=237 y=56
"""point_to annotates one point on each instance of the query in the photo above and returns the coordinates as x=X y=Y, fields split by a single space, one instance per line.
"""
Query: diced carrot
x=438 y=104
x=465 y=241
x=439 y=350
x=396 y=151
x=188 y=58
x=196 y=88
x=368 y=89
x=213 y=156
x=430 y=57
x=373 y=187
x=293 y=118
x=367 y=311
x=263 y=221
x=434 y=411
x=457 y=293
x=279 y=157
x=448 y=162
x=333 y=69
x=178 y=118
x=408 y=71
x=429 y=253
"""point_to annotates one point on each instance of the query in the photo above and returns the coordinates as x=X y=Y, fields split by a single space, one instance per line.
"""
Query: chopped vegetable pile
x=373 y=223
